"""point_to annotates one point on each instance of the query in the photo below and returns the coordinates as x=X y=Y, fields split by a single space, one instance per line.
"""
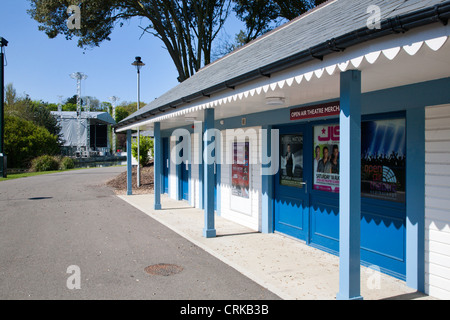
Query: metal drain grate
x=163 y=269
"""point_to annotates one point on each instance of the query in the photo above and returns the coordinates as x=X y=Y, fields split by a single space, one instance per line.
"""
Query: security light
x=3 y=42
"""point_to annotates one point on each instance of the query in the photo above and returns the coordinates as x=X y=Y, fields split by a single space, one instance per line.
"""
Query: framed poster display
x=240 y=199
x=291 y=160
x=383 y=159
x=240 y=174
x=326 y=158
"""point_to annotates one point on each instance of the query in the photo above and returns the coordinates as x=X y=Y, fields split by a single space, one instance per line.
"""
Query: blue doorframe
x=183 y=181
x=415 y=200
x=166 y=165
x=324 y=207
x=183 y=173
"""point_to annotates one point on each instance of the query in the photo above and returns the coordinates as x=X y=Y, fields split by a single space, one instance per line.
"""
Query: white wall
x=194 y=181
x=249 y=216
x=437 y=201
x=252 y=217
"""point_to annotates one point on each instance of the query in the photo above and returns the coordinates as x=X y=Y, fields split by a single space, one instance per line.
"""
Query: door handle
x=305 y=184
x=167 y=163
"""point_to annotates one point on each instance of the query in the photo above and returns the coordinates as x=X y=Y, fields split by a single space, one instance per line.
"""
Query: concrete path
x=286 y=266
x=51 y=222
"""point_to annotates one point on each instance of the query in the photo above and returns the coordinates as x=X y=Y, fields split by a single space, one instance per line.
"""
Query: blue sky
x=40 y=67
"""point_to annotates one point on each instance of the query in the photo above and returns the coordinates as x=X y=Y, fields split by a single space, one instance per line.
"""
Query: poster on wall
x=383 y=159
x=291 y=154
x=326 y=158
x=240 y=173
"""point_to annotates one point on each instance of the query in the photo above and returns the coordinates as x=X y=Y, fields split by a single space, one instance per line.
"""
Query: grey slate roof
x=333 y=19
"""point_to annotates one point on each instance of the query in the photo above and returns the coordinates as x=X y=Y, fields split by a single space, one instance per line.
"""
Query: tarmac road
x=51 y=222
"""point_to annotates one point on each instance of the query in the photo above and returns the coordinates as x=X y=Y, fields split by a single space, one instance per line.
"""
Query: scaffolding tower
x=79 y=76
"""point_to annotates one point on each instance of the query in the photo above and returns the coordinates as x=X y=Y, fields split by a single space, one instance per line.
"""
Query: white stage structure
x=84 y=135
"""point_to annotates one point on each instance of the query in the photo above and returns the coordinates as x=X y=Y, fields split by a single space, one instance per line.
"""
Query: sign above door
x=315 y=111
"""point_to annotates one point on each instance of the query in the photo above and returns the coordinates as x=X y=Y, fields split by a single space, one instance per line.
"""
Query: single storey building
x=333 y=129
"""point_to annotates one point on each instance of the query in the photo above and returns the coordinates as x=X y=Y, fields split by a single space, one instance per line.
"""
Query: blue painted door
x=165 y=180
x=184 y=181
x=383 y=236
x=324 y=198
x=383 y=242
x=311 y=212
x=383 y=229
x=183 y=176
x=291 y=205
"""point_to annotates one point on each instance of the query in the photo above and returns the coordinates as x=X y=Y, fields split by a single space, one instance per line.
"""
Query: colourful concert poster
x=240 y=170
x=383 y=159
x=326 y=158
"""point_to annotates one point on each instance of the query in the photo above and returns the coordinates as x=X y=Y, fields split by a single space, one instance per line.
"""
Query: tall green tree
x=69 y=107
x=261 y=16
x=121 y=113
x=187 y=28
x=25 y=140
x=38 y=112
x=71 y=100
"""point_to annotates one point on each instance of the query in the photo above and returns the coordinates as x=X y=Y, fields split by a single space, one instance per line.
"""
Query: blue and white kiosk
x=356 y=113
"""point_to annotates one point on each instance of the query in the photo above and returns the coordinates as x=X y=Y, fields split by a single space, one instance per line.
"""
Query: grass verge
x=31 y=174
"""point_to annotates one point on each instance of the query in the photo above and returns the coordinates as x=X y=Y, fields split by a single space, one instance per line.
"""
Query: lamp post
x=138 y=64
x=114 y=100
x=3 y=170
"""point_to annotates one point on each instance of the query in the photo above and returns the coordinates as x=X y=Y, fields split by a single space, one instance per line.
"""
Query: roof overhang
x=410 y=16
x=419 y=55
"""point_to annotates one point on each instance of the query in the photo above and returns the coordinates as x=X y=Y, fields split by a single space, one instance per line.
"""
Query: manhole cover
x=163 y=269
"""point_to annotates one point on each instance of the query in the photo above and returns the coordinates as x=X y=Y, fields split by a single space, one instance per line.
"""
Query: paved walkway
x=60 y=229
x=285 y=266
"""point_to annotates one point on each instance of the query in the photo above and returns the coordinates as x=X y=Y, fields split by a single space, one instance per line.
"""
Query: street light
x=3 y=43
x=138 y=64
x=113 y=100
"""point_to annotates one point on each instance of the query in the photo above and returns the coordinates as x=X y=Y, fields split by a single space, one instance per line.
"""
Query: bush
x=146 y=144
x=25 y=141
x=67 y=163
x=45 y=163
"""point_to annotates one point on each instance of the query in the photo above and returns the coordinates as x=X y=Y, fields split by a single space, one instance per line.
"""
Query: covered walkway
x=287 y=267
